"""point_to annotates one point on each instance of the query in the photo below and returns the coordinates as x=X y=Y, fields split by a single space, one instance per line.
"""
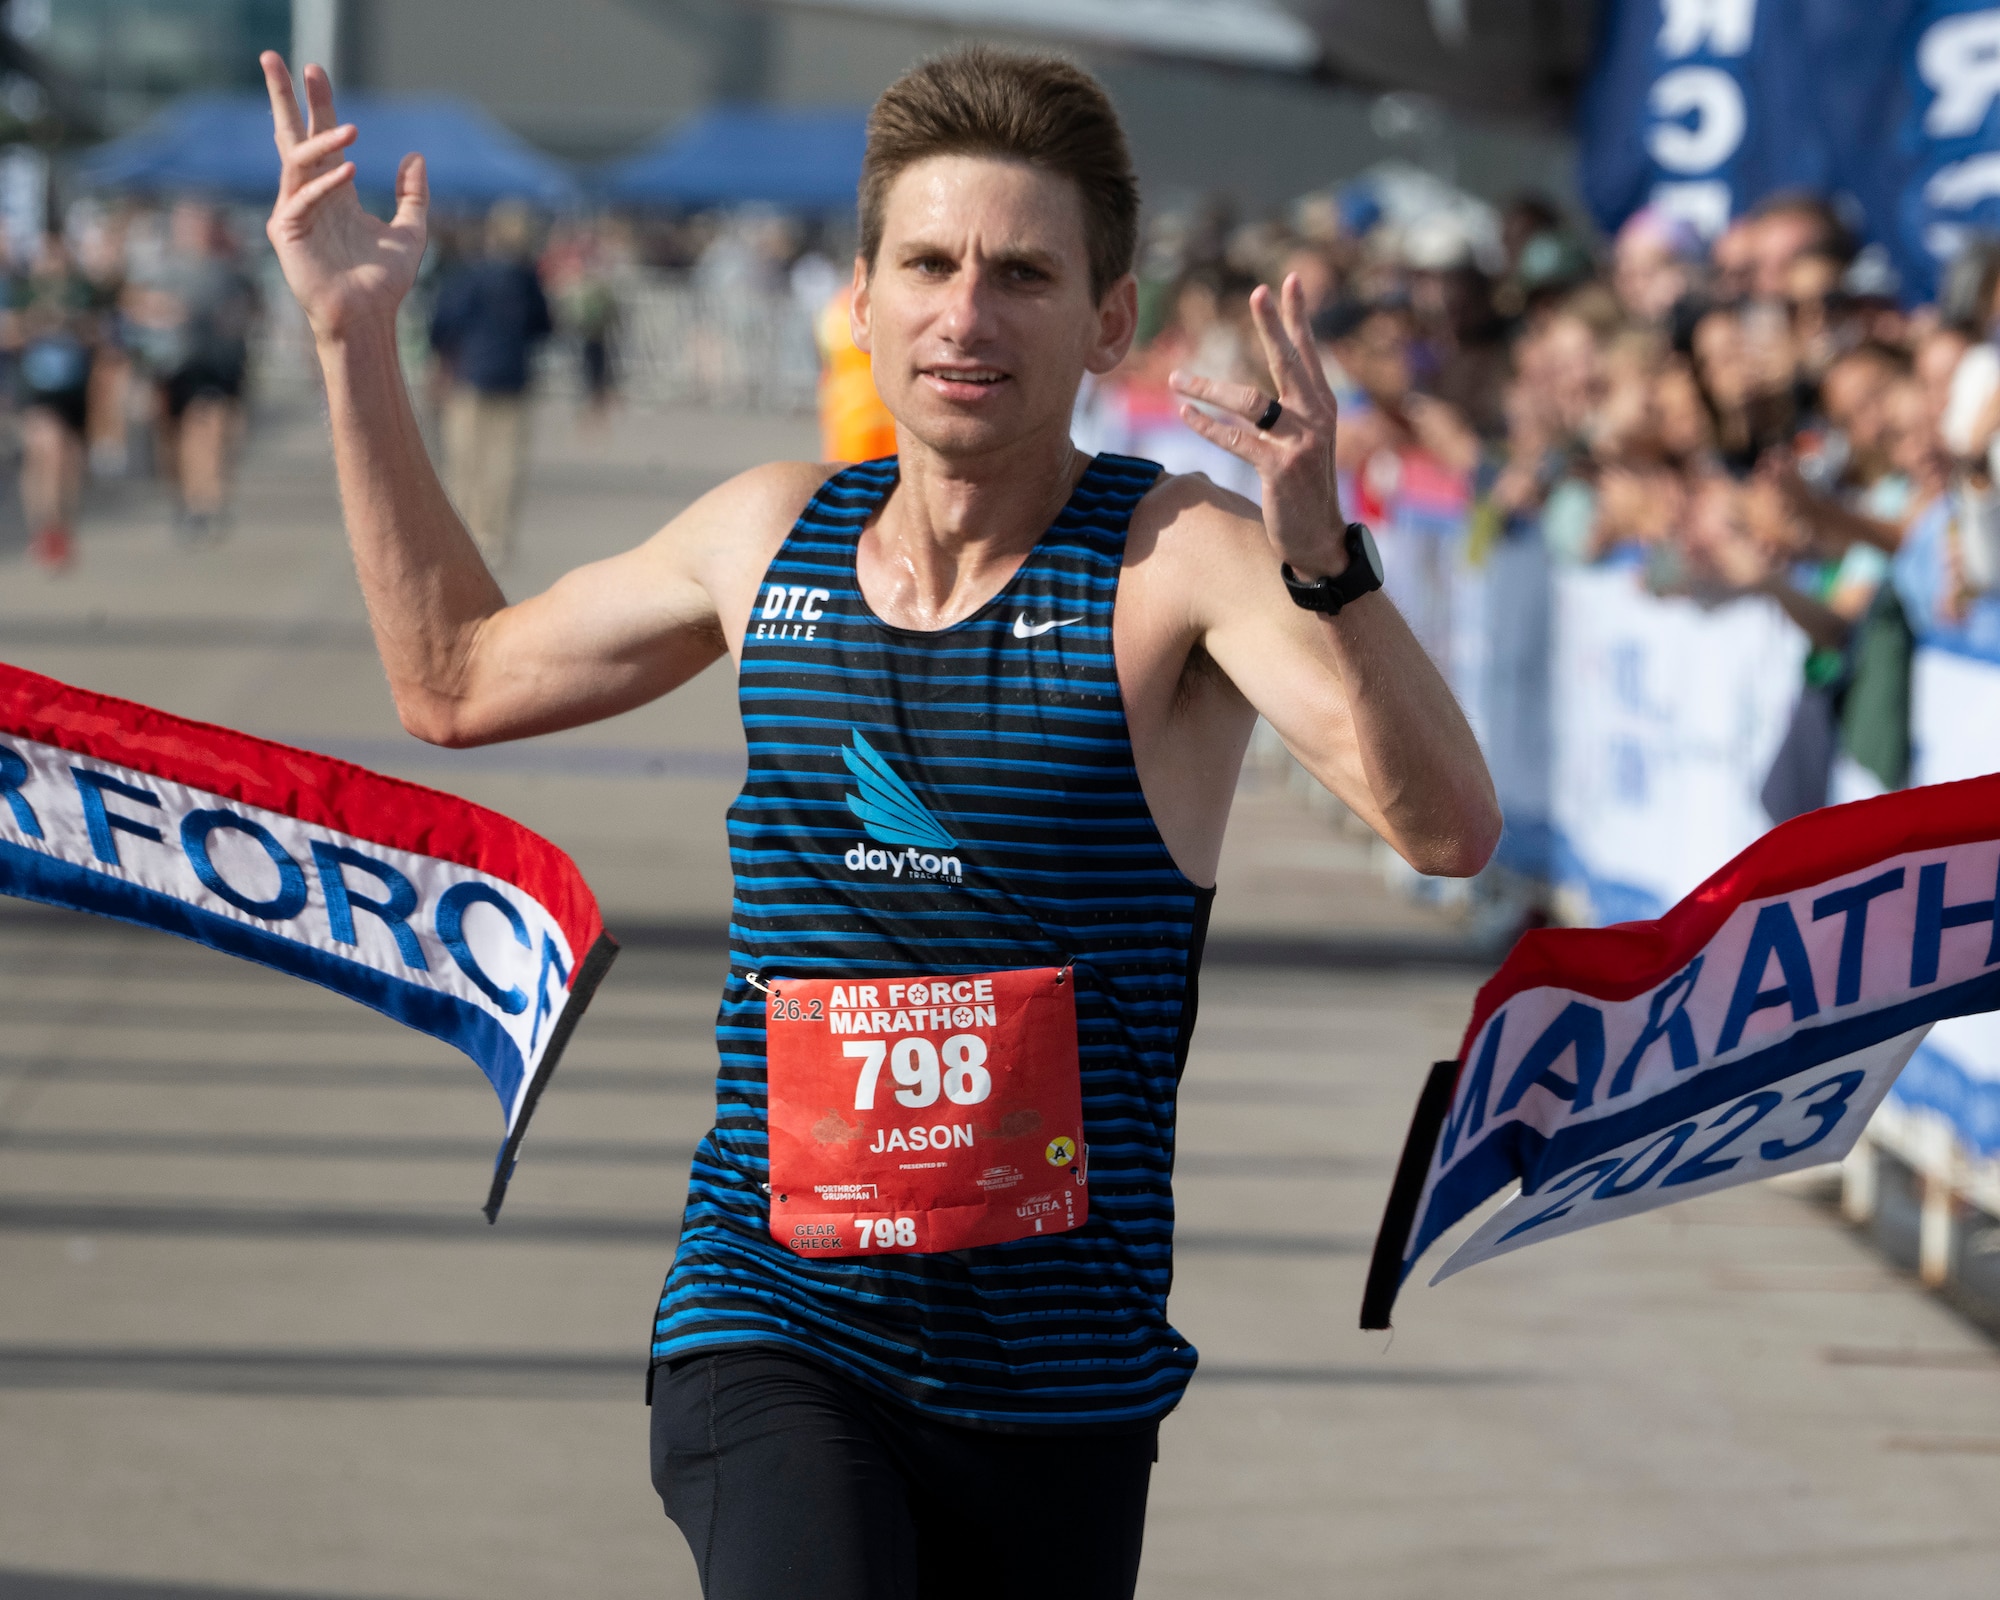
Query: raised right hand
x=345 y=266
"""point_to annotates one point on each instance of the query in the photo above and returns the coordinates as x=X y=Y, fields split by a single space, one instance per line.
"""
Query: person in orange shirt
x=854 y=425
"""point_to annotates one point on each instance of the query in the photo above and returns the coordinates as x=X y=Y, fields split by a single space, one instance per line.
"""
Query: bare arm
x=1837 y=524
x=464 y=666
x=1832 y=521
x=1824 y=627
x=1354 y=696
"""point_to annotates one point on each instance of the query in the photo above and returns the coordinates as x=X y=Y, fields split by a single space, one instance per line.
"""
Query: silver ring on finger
x=1269 y=419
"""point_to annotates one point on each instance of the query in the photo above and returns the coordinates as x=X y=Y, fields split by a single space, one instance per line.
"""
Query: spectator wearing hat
x=1526 y=217
x=1406 y=458
x=1463 y=357
x=1548 y=267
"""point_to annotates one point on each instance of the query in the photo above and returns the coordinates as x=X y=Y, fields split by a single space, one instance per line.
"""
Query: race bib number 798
x=925 y=1113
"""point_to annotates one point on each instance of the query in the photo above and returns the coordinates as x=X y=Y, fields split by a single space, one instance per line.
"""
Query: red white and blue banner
x=439 y=913
x=1749 y=1031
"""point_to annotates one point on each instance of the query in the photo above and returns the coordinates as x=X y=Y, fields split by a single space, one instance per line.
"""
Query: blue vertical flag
x=1705 y=107
x=1700 y=107
x=1930 y=170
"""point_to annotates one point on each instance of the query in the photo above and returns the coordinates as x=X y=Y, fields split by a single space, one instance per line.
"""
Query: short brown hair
x=1037 y=109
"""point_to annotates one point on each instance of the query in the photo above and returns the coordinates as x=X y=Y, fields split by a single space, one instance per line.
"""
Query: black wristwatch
x=1363 y=575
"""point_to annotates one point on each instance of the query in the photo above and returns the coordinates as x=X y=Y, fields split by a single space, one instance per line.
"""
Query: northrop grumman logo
x=891 y=814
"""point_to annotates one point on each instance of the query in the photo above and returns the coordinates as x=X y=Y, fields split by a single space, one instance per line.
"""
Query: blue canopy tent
x=807 y=160
x=221 y=145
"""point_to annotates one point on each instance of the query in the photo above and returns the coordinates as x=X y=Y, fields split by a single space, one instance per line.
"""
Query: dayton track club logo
x=891 y=814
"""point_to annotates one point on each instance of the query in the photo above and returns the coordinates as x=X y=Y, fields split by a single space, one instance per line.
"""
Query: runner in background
x=592 y=312
x=100 y=250
x=53 y=328
x=577 y=277
x=193 y=314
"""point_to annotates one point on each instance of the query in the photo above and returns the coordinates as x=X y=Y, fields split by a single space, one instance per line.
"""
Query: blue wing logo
x=889 y=810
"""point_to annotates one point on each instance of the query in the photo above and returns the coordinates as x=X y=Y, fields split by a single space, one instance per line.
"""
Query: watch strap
x=1329 y=594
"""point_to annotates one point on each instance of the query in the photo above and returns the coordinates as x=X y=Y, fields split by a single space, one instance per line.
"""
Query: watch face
x=1368 y=550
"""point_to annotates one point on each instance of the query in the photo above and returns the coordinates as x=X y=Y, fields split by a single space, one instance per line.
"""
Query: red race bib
x=913 y=1115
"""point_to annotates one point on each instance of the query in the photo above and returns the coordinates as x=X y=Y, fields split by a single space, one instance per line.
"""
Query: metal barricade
x=681 y=345
x=675 y=344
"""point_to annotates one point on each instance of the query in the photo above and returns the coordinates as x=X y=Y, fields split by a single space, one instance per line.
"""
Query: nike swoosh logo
x=1024 y=629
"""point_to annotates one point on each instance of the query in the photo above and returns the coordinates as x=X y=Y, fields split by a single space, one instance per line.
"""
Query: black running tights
x=792 y=1482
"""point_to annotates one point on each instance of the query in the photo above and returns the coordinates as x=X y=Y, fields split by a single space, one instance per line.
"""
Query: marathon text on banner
x=1750 y=1031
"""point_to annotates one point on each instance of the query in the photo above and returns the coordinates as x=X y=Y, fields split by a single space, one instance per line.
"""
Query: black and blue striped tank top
x=955 y=801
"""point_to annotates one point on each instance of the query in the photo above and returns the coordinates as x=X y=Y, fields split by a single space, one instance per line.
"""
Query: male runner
x=997 y=695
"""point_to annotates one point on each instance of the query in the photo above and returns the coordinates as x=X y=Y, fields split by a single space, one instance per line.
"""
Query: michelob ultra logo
x=445 y=916
x=1750 y=1031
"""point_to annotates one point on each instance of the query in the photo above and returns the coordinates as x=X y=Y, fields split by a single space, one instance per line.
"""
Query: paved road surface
x=255 y=1340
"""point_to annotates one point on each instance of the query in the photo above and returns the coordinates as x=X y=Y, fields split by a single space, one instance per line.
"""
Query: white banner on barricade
x=1955 y=733
x=1954 y=716
x=1500 y=671
x=1667 y=715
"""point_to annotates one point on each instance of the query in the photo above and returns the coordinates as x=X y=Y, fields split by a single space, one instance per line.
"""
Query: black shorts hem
x=181 y=389
x=70 y=407
x=904 y=1400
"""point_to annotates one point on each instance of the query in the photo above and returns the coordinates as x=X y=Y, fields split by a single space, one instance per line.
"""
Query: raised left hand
x=344 y=266
x=1294 y=458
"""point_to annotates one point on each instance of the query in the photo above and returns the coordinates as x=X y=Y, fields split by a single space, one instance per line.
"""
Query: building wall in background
x=127 y=58
x=1265 y=138
x=585 y=79
x=592 y=79
x=1262 y=137
x=820 y=59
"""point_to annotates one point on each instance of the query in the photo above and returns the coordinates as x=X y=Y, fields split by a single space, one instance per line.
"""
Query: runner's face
x=978 y=315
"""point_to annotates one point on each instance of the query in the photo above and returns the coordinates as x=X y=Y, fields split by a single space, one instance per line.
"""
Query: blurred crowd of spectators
x=1756 y=415
x=1761 y=414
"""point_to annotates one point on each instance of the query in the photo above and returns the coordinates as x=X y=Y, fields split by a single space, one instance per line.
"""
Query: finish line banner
x=439 y=913
x=1748 y=1032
